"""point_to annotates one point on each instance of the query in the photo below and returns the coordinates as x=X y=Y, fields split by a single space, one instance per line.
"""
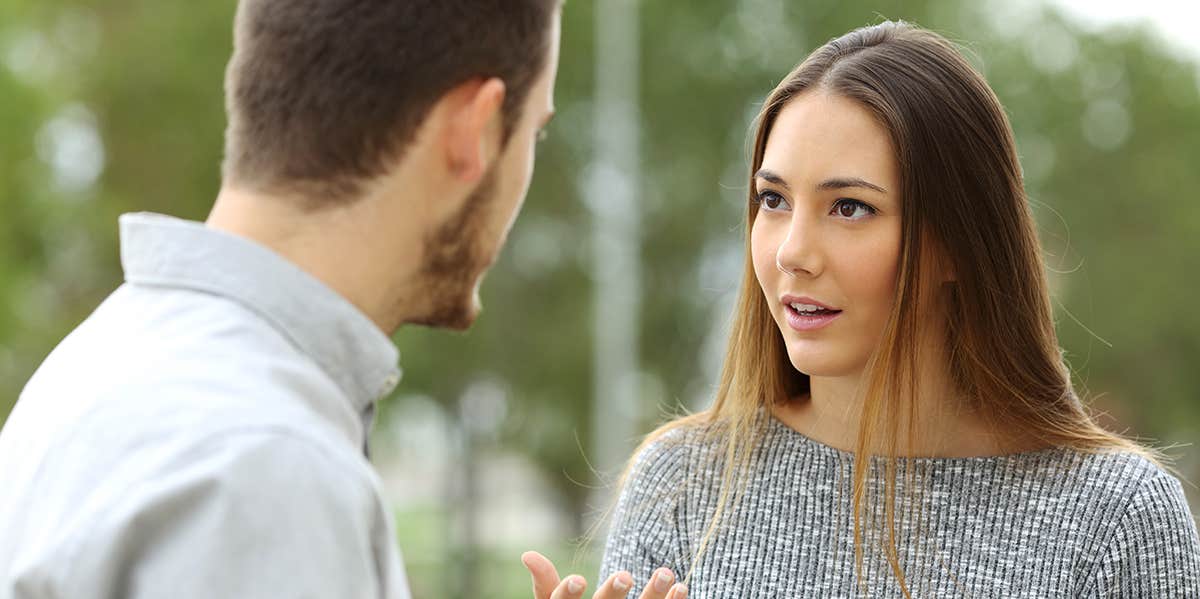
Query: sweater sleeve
x=644 y=533
x=1154 y=550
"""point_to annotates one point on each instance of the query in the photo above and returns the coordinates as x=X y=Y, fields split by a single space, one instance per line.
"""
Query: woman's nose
x=800 y=254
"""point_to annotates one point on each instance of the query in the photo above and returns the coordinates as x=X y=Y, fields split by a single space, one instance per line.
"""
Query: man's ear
x=473 y=127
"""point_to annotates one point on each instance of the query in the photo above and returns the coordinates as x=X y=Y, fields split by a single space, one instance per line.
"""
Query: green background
x=117 y=106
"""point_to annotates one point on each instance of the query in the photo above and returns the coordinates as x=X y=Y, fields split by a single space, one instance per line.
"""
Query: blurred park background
x=609 y=307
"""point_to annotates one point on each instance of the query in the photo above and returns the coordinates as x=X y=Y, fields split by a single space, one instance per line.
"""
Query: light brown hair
x=964 y=207
x=322 y=94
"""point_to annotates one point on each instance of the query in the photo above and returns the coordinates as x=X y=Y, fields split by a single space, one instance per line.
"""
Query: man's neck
x=342 y=246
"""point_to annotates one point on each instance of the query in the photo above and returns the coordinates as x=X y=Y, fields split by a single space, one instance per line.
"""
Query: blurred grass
x=432 y=563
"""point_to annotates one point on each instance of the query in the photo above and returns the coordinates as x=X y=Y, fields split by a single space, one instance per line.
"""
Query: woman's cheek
x=763 y=254
x=872 y=273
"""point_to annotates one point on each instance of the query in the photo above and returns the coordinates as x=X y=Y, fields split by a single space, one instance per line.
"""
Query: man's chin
x=463 y=321
x=456 y=317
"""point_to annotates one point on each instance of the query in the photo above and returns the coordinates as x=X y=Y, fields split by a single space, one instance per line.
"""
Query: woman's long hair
x=963 y=208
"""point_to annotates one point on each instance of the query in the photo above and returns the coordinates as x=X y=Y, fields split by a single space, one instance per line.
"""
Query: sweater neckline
x=781 y=430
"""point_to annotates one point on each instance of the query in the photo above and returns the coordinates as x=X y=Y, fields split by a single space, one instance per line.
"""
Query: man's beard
x=456 y=256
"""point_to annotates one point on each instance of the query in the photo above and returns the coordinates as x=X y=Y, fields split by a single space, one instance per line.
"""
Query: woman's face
x=826 y=239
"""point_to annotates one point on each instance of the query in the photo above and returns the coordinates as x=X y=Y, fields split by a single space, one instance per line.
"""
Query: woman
x=894 y=416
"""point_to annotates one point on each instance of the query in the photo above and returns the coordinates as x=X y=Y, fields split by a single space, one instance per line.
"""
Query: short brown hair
x=321 y=94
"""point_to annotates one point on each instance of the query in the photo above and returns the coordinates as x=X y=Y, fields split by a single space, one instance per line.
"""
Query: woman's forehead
x=819 y=135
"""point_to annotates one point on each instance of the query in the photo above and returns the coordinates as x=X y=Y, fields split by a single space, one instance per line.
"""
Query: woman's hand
x=546 y=584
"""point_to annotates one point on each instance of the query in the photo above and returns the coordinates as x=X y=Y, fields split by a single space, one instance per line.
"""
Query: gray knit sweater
x=1053 y=523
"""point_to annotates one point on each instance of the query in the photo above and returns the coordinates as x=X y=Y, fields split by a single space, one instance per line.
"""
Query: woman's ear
x=939 y=259
x=946 y=272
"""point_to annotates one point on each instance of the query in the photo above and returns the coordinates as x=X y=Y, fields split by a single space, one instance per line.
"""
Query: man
x=202 y=433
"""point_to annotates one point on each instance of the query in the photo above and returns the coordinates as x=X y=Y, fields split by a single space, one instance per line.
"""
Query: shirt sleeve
x=247 y=515
x=644 y=534
x=1154 y=550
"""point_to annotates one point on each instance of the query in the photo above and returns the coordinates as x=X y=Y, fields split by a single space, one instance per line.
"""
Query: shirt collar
x=349 y=347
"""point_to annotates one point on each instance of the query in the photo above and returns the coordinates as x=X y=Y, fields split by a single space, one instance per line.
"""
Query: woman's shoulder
x=1146 y=534
x=674 y=452
x=1102 y=481
x=1121 y=475
x=670 y=447
x=1136 y=494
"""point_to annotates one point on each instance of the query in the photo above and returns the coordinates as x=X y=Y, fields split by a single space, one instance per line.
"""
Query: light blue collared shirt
x=202 y=434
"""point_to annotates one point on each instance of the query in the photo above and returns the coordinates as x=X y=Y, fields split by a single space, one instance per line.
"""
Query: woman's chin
x=822 y=363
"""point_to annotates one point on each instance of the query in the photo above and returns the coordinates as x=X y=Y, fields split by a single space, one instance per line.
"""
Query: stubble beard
x=456 y=257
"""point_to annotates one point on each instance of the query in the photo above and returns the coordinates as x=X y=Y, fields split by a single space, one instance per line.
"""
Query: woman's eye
x=851 y=209
x=772 y=201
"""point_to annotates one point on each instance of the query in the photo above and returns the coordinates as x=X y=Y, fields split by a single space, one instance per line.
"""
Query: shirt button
x=390 y=383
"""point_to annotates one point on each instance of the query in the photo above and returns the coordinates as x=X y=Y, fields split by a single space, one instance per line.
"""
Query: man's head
x=333 y=103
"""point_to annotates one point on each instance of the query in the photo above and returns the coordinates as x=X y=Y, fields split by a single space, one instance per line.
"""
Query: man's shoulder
x=201 y=432
x=229 y=498
x=175 y=364
x=265 y=460
x=148 y=322
x=97 y=461
x=89 y=428
x=147 y=334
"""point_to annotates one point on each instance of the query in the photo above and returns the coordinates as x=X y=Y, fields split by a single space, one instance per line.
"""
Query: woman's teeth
x=810 y=309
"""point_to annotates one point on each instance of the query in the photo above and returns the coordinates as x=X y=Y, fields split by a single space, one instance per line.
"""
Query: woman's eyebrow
x=771 y=176
x=844 y=182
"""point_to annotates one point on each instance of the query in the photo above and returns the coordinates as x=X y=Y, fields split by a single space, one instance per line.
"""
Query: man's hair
x=323 y=94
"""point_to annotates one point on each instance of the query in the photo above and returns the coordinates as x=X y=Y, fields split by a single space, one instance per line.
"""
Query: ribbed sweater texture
x=1050 y=523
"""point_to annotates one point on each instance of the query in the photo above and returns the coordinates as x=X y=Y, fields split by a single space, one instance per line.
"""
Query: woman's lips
x=809 y=321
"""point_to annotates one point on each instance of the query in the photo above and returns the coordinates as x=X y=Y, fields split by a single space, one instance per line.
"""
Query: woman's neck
x=833 y=418
x=946 y=425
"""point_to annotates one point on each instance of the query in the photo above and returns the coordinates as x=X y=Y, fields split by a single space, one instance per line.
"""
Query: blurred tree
x=117 y=106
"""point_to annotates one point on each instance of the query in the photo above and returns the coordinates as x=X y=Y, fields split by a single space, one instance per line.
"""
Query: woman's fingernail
x=622 y=582
x=574 y=585
x=680 y=591
x=663 y=580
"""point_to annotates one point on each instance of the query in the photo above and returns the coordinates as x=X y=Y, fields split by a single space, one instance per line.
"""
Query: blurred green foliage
x=1108 y=126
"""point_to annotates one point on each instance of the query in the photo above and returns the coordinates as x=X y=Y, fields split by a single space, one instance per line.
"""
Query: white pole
x=613 y=187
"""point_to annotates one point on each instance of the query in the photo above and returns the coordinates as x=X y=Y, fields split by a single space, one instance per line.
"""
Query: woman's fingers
x=616 y=587
x=545 y=576
x=679 y=591
x=661 y=583
x=571 y=587
x=546 y=584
